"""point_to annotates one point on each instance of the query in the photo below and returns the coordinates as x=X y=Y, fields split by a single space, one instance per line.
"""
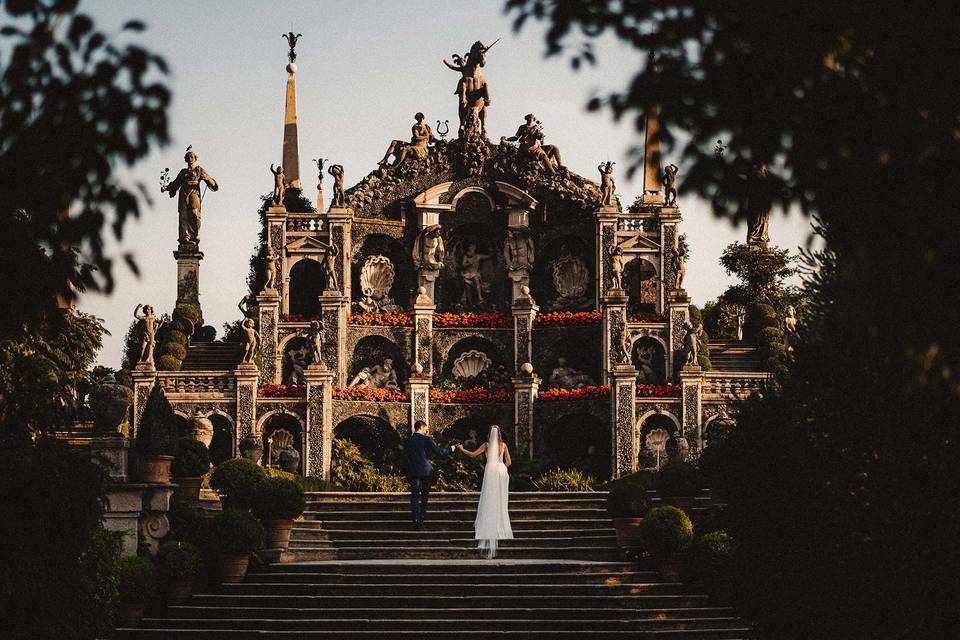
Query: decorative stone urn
x=251 y=447
x=289 y=460
x=109 y=401
x=201 y=430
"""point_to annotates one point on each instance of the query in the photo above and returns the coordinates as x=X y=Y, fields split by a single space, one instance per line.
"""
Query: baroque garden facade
x=463 y=282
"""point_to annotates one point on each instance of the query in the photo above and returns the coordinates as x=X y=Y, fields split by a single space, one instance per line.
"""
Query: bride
x=493 y=520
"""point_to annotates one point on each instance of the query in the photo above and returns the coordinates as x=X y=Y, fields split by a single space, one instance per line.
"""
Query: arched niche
x=487 y=243
x=569 y=349
x=641 y=281
x=297 y=353
x=285 y=429
x=306 y=285
x=404 y=277
x=650 y=359
x=554 y=260
x=575 y=441
x=223 y=446
x=372 y=351
x=377 y=440
x=663 y=424
x=471 y=343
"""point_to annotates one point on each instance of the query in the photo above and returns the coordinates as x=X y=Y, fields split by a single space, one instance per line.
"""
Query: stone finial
x=417 y=368
x=527 y=368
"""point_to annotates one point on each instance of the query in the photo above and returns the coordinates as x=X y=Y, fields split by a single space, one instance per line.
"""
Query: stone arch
x=464 y=192
x=306 y=285
x=649 y=356
x=653 y=420
x=404 y=278
x=577 y=347
x=641 y=280
x=295 y=351
x=224 y=443
x=542 y=284
x=488 y=237
x=475 y=342
x=377 y=440
x=575 y=441
x=281 y=424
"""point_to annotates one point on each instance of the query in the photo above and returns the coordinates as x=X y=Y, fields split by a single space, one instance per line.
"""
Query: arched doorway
x=306 y=285
x=575 y=441
x=658 y=440
x=286 y=431
x=650 y=360
x=377 y=440
x=222 y=447
x=642 y=285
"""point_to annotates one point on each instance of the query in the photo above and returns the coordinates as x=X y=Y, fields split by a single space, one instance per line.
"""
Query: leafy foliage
x=565 y=480
x=178 y=560
x=678 y=478
x=666 y=531
x=237 y=480
x=157 y=434
x=627 y=499
x=350 y=470
x=711 y=558
x=191 y=459
x=236 y=531
x=278 y=499
x=138 y=580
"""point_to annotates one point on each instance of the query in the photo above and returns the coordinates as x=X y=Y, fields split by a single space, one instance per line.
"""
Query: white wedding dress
x=493 y=520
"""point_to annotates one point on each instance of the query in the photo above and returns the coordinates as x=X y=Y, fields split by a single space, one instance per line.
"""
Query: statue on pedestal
x=608 y=195
x=474 y=96
x=149 y=325
x=565 y=377
x=789 y=329
x=670 y=185
x=473 y=285
x=518 y=250
x=247 y=305
x=187 y=183
x=530 y=139
x=758 y=204
x=679 y=264
x=279 y=188
x=616 y=268
x=418 y=147
x=316 y=341
x=251 y=342
x=428 y=250
x=338 y=198
x=330 y=268
x=270 y=270
x=691 y=344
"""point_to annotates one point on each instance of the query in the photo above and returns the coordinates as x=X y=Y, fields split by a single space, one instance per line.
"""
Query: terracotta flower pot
x=130 y=614
x=155 y=470
x=669 y=567
x=278 y=533
x=628 y=532
x=188 y=488
x=178 y=591
x=233 y=566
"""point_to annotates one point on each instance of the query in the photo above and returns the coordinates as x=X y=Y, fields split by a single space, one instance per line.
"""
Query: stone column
x=679 y=313
x=340 y=222
x=418 y=389
x=525 y=387
x=607 y=221
x=333 y=312
x=623 y=380
x=690 y=394
x=121 y=515
x=613 y=308
x=422 y=355
x=319 y=438
x=247 y=377
x=143 y=378
x=524 y=312
x=271 y=361
x=188 y=274
x=277 y=241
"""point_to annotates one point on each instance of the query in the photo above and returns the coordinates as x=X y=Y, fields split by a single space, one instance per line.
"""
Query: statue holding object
x=149 y=325
x=270 y=269
x=529 y=136
x=330 y=268
x=428 y=250
x=251 y=342
x=474 y=96
x=338 y=199
x=670 y=185
x=616 y=268
x=418 y=147
x=187 y=183
x=608 y=195
x=279 y=188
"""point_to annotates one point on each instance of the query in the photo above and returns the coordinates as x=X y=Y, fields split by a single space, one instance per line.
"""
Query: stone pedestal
x=678 y=310
x=247 y=377
x=138 y=512
x=427 y=280
x=423 y=309
x=525 y=388
x=519 y=280
x=691 y=391
x=524 y=311
x=418 y=389
x=113 y=454
x=607 y=218
x=188 y=274
x=613 y=307
x=319 y=436
x=623 y=379
x=271 y=360
x=143 y=379
x=340 y=222
x=333 y=313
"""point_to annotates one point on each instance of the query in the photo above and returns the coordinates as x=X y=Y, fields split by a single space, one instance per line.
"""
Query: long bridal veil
x=493 y=520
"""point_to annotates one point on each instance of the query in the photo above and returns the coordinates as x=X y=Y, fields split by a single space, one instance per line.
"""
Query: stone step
x=472 y=634
x=445 y=542
x=412 y=535
x=410 y=580
x=477 y=567
x=441 y=522
x=516 y=513
x=389 y=589
x=307 y=554
x=386 y=496
x=451 y=503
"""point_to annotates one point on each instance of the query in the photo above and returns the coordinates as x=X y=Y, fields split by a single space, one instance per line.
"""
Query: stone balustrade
x=304 y=222
x=728 y=384
x=196 y=382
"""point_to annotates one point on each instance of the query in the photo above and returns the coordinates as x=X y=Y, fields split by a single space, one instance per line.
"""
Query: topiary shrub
x=627 y=500
x=178 y=351
x=137 y=580
x=565 y=480
x=177 y=337
x=666 y=531
x=187 y=311
x=179 y=561
x=183 y=325
x=350 y=470
x=236 y=532
x=678 y=478
x=711 y=558
x=278 y=499
x=158 y=426
x=192 y=459
x=168 y=363
x=236 y=481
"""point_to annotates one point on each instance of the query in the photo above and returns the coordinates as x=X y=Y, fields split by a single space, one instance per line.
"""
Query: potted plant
x=236 y=480
x=109 y=401
x=180 y=563
x=156 y=439
x=190 y=463
x=136 y=584
x=277 y=502
x=237 y=534
x=710 y=562
x=666 y=532
x=678 y=484
x=627 y=504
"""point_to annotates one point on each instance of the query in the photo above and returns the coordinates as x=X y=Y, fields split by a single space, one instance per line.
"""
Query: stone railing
x=190 y=382
x=304 y=222
x=733 y=384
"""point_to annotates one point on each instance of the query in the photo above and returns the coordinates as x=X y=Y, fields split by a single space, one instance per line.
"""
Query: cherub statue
x=279 y=188
x=148 y=332
x=187 y=183
x=679 y=263
x=691 y=344
x=670 y=185
x=428 y=250
x=330 y=268
x=616 y=267
x=338 y=198
x=270 y=269
x=316 y=339
x=608 y=195
x=246 y=305
x=251 y=341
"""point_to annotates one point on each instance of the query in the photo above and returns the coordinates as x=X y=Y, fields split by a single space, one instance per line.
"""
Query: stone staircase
x=357 y=569
x=212 y=356
x=733 y=355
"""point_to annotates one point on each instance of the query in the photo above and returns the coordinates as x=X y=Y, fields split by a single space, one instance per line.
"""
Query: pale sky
x=365 y=67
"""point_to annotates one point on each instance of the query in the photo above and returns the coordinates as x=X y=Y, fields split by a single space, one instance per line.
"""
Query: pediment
x=307 y=244
x=637 y=241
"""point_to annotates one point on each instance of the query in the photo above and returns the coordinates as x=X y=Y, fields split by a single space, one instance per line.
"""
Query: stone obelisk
x=291 y=146
x=652 y=171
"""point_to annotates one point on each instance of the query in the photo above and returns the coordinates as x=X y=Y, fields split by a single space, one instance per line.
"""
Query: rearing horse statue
x=472 y=88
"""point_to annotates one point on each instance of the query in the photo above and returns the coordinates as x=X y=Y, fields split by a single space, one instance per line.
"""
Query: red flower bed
x=297 y=317
x=658 y=391
x=475 y=395
x=567 y=318
x=369 y=393
x=382 y=319
x=584 y=393
x=489 y=320
x=645 y=316
x=282 y=391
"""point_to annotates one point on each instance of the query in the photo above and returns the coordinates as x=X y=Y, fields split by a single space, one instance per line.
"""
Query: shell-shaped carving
x=657 y=440
x=282 y=439
x=470 y=364
x=376 y=277
x=570 y=276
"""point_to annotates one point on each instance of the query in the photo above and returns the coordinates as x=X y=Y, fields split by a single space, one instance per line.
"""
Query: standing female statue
x=187 y=183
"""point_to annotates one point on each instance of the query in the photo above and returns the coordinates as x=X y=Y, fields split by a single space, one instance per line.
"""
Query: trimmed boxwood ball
x=235 y=531
x=666 y=531
x=177 y=337
x=678 y=478
x=137 y=580
x=178 y=560
x=627 y=500
x=174 y=349
x=168 y=363
x=183 y=325
x=278 y=499
x=710 y=558
x=237 y=480
x=187 y=311
x=158 y=426
x=192 y=459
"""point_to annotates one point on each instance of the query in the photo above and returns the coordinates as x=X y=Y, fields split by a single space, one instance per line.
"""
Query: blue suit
x=420 y=471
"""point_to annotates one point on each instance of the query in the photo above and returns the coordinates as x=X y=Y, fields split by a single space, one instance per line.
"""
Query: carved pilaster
x=319 y=438
x=623 y=379
x=188 y=275
x=607 y=220
x=679 y=313
x=524 y=312
x=614 y=323
x=247 y=378
x=143 y=379
x=276 y=242
x=271 y=364
x=691 y=392
x=423 y=310
x=333 y=312
x=340 y=221
x=525 y=388
x=418 y=389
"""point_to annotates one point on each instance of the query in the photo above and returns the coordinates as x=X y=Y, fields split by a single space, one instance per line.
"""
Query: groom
x=419 y=469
